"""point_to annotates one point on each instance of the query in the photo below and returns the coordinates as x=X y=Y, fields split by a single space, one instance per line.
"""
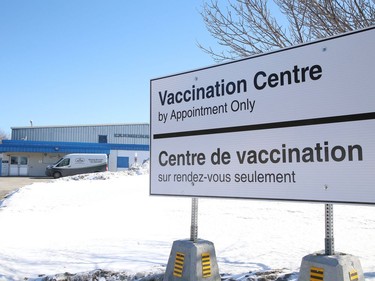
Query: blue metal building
x=32 y=149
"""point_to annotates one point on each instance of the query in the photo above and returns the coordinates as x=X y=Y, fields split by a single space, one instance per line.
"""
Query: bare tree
x=248 y=27
x=3 y=135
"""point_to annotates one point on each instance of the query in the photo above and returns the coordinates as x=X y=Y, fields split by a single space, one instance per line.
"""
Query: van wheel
x=56 y=175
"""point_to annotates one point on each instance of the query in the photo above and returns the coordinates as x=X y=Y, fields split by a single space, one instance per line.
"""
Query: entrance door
x=18 y=166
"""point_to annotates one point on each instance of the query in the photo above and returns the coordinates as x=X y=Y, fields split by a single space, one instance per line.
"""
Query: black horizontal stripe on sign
x=267 y=126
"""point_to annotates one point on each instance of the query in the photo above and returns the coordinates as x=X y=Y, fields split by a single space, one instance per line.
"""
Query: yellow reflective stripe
x=316 y=274
x=206 y=265
x=353 y=275
x=178 y=264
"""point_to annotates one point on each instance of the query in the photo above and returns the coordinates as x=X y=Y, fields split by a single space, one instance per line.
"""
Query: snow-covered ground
x=108 y=221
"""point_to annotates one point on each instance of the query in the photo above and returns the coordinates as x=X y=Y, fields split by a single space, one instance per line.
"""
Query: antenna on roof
x=31 y=123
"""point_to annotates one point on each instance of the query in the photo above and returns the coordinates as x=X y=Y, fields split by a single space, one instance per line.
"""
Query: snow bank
x=135 y=169
x=106 y=223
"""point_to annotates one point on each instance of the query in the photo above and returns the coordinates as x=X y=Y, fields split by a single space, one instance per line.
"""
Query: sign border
x=261 y=126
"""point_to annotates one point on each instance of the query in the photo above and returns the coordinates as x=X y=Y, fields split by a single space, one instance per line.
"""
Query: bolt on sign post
x=296 y=124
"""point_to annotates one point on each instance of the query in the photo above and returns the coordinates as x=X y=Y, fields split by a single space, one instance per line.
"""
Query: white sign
x=295 y=124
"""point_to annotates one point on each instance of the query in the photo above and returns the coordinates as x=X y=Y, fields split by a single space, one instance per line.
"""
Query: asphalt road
x=10 y=184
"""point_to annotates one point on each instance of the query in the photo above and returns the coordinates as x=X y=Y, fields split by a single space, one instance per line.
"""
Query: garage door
x=122 y=162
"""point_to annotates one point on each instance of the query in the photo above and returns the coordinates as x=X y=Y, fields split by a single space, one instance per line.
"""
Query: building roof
x=79 y=125
x=66 y=147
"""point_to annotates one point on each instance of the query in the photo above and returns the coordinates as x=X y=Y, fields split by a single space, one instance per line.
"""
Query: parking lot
x=10 y=184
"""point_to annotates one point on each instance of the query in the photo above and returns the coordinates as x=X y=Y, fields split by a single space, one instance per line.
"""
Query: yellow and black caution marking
x=316 y=274
x=178 y=264
x=206 y=265
x=353 y=275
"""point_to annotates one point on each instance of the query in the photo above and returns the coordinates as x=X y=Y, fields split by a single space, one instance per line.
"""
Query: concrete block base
x=338 y=267
x=192 y=261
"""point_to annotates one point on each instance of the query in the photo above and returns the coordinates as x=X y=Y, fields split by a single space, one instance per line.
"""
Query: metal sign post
x=194 y=220
x=330 y=265
x=329 y=240
x=194 y=259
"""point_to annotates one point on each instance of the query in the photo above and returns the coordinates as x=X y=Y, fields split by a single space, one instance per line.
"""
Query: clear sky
x=69 y=62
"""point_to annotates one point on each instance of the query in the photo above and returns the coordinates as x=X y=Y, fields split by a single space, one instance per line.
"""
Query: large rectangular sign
x=295 y=124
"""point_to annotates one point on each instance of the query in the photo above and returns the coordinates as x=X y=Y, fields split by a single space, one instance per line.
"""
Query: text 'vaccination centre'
x=31 y=149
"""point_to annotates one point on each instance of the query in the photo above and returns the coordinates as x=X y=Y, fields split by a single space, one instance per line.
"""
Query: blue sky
x=68 y=62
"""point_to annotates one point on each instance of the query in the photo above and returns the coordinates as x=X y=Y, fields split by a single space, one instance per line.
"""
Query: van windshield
x=63 y=162
x=58 y=161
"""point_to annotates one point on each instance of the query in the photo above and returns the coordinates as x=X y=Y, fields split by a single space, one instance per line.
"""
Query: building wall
x=43 y=146
x=116 y=134
x=133 y=156
x=38 y=162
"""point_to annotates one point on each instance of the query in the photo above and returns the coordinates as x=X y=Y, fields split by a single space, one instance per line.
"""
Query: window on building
x=14 y=160
x=103 y=139
x=23 y=160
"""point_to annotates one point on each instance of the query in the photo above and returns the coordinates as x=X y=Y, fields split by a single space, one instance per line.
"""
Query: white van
x=73 y=164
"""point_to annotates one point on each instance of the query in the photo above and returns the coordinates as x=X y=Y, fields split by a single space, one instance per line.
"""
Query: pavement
x=10 y=184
